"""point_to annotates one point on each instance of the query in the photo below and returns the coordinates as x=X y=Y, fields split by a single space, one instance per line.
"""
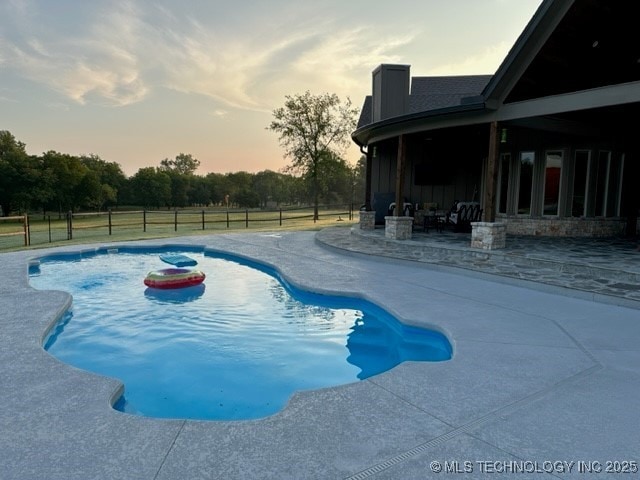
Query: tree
x=19 y=176
x=312 y=130
x=269 y=187
x=359 y=173
x=184 y=164
x=182 y=172
x=110 y=177
x=152 y=187
x=67 y=173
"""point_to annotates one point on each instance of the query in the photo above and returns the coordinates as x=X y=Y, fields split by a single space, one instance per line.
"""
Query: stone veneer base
x=398 y=228
x=367 y=220
x=488 y=235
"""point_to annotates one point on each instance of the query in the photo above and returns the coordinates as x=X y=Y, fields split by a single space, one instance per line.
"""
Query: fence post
x=175 y=221
x=49 y=222
x=202 y=219
x=246 y=218
x=27 y=232
x=69 y=225
x=144 y=221
x=109 y=221
x=280 y=216
x=227 y=218
x=351 y=212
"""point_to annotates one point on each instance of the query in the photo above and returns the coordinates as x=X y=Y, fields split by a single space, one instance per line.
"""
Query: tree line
x=61 y=182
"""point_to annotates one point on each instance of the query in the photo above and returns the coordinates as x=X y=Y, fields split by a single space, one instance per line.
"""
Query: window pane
x=505 y=160
x=614 y=186
x=526 y=181
x=580 y=183
x=602 y=178
x=553 y=167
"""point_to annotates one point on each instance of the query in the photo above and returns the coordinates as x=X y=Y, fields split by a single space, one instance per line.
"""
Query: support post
x=400 y=167
x=491 y=184
x=367 y=182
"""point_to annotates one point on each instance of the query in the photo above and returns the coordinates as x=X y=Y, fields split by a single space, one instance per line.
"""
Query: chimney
x=390 y=91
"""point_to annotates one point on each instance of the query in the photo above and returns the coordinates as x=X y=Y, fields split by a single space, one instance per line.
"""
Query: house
x=548 y=145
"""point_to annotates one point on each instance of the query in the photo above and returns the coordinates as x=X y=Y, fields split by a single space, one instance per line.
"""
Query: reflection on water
x=175 y=295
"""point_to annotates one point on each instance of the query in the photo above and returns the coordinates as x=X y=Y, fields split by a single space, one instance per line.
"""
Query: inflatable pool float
x=174 y=278
x=178 y=260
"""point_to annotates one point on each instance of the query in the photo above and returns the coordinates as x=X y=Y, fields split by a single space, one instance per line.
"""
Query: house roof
x=431 y=93
x=572 y=55
x=434 y=93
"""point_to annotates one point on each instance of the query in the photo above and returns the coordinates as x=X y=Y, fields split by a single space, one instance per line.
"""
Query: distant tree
x=200 y=191
x=17 y=174
x=216 y=187
x=236 y=185
x=358 y=175
x=183 y=163
x=335 y=180
x=151 y=187
x=269 y=186
x=111 y=178
x=67 y=172
x=313 y=129
x=247 y=198
x=181 y=171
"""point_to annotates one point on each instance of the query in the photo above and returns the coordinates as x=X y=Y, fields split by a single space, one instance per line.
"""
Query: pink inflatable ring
x=174 y=278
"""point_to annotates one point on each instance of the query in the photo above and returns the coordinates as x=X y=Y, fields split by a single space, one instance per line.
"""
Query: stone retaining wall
x=563 y=227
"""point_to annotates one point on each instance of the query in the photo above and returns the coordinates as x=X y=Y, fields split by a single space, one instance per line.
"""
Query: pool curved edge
x=271 y=269
x=118 y=390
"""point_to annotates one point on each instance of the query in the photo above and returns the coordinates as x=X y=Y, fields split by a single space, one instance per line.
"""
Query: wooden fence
x=148 y=223
x=23 y=232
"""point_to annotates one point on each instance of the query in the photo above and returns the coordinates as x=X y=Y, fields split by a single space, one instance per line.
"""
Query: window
x=525 y=182
x=552 y=170
x=602 y=182
x=503 y=182
x=614 y=188
x=580 y=178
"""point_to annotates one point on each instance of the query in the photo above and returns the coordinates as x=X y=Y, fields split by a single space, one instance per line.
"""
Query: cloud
x=117 y=55
x=96 y=63
x=484 y=62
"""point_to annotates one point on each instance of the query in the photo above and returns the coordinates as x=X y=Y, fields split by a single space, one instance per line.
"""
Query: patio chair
x=463 y=214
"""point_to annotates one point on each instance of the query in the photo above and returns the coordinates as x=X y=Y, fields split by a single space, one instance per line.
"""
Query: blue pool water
x=235 y=347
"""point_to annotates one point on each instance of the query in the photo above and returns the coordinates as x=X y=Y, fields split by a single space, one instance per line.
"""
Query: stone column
x=398 y=228
x=367 y=220
x=488 y=235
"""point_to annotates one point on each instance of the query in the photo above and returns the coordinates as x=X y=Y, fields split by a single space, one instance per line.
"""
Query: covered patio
x=544 y=145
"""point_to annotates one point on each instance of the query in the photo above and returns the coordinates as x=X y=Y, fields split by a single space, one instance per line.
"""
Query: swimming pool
x=235 y=347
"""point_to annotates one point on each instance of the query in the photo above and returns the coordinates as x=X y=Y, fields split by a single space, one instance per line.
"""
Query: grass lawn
x=91 y=227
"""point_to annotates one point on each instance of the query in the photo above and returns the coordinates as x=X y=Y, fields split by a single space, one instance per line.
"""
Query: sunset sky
x=139 y=81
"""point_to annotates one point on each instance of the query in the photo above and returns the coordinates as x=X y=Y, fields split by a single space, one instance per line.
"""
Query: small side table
x=433 y=219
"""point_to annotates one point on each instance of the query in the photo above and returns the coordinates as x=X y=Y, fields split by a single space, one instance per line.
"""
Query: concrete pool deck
x=537 y=379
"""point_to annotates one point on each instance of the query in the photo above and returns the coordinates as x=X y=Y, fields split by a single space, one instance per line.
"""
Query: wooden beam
x=367 y=182
x=400 y=167
x=491 y=183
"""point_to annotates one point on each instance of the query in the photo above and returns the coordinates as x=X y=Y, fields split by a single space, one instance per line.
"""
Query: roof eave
x=430 y=119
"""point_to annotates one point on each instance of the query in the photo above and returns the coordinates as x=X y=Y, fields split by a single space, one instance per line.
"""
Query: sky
x=138 y=81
